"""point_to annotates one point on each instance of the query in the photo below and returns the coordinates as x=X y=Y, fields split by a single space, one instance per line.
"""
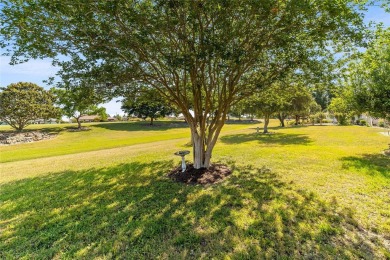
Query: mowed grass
x=300 y=192
x=99 y=136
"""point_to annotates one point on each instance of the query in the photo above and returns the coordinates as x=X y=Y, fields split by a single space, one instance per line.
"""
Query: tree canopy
x=369 y=78
x=77 y=101
x=200 y=55
x=146 y=103
x=23 y=102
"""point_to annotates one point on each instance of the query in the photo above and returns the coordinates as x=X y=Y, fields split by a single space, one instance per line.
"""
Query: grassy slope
x=327 y=195
x=100 y=136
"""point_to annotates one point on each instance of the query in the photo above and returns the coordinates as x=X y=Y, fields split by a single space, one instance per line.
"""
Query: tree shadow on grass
x=269 y=139
x=133 y=211
x=49 y=130
x=372 y=164
x=142 y=126
x=232 y=121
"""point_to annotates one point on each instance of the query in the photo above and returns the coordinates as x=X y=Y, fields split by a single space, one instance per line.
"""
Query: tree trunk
x=78 y=123
x=296 y=119
x=203 y=144
x=281 y=119
x=151 y=121
x=198 y=151
x=266 y=122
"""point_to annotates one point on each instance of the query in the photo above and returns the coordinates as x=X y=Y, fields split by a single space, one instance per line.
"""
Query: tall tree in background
x=101 y=112
x=370 y=78
x=146 y=103
x=23 y=102
x=343 y=107
x=300 y=103
x=269 y=101
x=77 y=101
x=203 y=55
x=238 y=109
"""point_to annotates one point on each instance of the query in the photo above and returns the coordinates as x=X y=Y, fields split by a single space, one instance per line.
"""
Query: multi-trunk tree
x=200 y=55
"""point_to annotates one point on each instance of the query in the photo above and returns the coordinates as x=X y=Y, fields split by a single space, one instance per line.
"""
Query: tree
x=295 y=100
x=99 y=111
x=268 y=102
x=200 y=55
x=77 y=101
x=315 y=113
x=238 y=109
x=22 y=102
x=118 y=117
x=370 y=78
x=146 y=103
x=341 y=107
x=300 y=103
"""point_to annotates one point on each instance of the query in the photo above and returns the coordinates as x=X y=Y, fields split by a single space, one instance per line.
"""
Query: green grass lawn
x=302 y=192
x=100 y=136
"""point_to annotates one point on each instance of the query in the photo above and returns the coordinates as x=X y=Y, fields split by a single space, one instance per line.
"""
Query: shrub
x=321 y=117
x=381 y=124
x=341 y=118
x=363 y=122
x=313 y=119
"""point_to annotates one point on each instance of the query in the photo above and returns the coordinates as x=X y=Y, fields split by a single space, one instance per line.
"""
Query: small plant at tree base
x=22 y=102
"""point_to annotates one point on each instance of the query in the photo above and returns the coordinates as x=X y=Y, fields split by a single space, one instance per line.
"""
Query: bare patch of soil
x=215 y=173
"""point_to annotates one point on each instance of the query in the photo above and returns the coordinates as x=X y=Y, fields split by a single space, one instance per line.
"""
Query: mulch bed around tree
x=215 y=173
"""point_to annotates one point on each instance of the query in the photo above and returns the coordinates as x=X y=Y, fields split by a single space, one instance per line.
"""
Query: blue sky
x=37 y=71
